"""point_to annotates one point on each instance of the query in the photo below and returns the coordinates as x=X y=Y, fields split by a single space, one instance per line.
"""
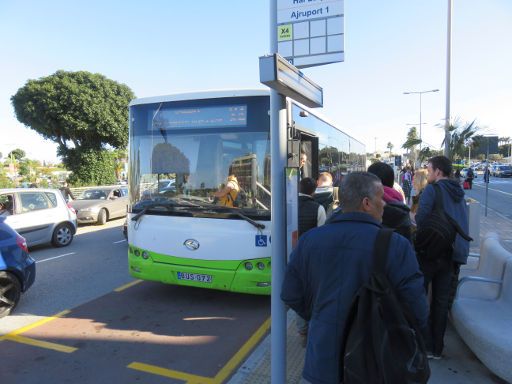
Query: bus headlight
x=145 y=255
x=260 y=266
x=137 y=252
x=248 y=266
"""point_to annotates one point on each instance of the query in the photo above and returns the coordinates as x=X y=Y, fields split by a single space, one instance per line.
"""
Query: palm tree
x=411 y=143
x=460 y=135
x=390 y=147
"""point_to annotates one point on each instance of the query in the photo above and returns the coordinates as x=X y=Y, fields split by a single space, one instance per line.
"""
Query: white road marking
x=55 y=257
x=120 y=241
x=495 y=190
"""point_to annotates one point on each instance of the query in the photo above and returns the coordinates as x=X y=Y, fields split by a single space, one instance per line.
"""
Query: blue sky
x=163 y=47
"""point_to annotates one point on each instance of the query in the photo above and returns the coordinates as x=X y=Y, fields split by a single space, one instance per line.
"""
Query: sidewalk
x=459 y=364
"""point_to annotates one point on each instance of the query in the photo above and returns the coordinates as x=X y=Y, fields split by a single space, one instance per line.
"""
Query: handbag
x=465 y=185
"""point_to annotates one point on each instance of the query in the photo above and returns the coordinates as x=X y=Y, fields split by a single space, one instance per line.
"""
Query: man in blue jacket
x=442 y=272
x=332 y=262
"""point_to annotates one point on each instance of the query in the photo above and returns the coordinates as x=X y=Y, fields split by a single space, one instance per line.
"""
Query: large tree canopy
x=82 y=107
x=82 y=112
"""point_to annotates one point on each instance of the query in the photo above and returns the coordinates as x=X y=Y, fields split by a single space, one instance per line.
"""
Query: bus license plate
x=195 y=277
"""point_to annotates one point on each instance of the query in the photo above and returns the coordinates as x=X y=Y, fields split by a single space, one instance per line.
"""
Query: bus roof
x=213 y=94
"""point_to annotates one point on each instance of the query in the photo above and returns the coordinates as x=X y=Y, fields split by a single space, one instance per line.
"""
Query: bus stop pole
x=278 y=244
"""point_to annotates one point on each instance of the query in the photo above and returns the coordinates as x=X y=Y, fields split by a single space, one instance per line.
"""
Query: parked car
x=17 y=268
x=40 y=215
x=98 y=205
x=502 y=171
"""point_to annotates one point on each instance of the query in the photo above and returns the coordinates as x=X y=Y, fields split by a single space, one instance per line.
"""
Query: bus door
x=308 y=156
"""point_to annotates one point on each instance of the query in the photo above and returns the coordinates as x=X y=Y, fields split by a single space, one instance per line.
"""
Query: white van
x=40 y=215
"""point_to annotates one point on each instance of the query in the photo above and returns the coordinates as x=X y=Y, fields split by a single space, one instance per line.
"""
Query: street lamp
x=420 y=93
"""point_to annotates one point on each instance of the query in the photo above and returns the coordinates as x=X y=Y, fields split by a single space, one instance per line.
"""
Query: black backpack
x=435 y=237
x=382 y=343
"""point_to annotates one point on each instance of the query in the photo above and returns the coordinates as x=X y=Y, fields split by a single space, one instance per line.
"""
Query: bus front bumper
x=246 y=276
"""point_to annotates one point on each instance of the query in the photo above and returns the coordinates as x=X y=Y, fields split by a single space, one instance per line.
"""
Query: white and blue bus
x=182 y=148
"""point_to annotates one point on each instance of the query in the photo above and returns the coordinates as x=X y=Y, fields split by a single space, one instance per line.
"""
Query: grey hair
x=355 y=187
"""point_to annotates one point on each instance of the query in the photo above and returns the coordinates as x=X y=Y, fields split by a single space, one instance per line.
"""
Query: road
x=499 y=194
x=117 y=329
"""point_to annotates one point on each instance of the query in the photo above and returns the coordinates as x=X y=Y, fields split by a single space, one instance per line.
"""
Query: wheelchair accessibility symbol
x=261 y=240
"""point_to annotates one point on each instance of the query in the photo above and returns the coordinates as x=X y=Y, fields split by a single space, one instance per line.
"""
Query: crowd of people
x=333 y=259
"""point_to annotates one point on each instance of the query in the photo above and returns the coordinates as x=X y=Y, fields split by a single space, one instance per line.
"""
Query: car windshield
x=93 y=194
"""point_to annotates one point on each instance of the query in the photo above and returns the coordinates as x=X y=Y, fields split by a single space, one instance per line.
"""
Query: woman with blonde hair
x=227 y=194
x=419 y=183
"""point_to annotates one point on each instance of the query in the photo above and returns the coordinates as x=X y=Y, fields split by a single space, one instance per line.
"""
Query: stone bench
x=483 y=316
x=490 y=264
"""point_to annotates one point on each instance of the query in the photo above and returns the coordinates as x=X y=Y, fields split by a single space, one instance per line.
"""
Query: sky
x=160 y=47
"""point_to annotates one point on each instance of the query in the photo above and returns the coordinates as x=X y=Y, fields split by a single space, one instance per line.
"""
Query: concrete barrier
x=483 y=317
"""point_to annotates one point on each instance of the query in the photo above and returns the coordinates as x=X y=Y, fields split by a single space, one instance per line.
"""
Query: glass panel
x=187 y=163
x=53 y=199
x=33 y=201
x=338 y=153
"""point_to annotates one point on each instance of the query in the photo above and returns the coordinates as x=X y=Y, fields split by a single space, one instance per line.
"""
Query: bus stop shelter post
x=278 y=244
x=278 y=310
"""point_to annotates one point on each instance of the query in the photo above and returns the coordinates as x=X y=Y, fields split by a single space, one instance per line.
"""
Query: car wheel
x=10 y=291
x=62 y=235
x=102 y=216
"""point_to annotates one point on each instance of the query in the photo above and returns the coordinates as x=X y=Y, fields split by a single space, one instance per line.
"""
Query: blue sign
x=261 y=240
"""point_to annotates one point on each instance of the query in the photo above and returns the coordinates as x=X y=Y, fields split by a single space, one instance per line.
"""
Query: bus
x=182 y=148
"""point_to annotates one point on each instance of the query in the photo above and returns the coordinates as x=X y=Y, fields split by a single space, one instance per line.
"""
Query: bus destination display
x=201 y=117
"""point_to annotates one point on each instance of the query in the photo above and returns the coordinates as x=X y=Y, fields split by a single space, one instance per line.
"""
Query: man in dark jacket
x=470 y=175
x=332 y=262
x=443 y=271
x=311 y=215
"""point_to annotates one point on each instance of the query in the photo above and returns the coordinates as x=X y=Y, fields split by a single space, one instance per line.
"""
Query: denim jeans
x=440 y=275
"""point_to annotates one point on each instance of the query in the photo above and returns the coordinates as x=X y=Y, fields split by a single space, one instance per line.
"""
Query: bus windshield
x=186 y=154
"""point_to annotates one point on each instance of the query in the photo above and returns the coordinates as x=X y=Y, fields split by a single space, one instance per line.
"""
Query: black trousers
x=442 y=276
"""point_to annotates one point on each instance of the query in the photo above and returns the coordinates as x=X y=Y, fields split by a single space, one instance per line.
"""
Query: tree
x=411 y=143
x=460 y=135
x=504 y=147
x=390 y=147
x=17 y=154
x=84 y=113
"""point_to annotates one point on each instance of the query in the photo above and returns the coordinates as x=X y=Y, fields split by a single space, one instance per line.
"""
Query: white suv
x=41 y=216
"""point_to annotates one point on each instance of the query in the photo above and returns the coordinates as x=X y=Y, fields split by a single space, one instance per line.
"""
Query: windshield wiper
x=164 y=204
x=237 y=213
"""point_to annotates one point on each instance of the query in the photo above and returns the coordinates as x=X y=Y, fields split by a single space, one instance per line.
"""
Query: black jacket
x=396 y=216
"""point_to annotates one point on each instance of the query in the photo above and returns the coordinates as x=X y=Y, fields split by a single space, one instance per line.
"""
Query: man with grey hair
x=332 y=262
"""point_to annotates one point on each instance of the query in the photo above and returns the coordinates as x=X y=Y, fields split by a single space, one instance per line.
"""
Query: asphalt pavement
x=499 y=194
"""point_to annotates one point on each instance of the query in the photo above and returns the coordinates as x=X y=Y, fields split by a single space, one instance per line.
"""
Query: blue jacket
x=327 y=268
x=455 y=206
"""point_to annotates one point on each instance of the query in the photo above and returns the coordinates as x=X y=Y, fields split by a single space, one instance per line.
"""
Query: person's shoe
x=430 y=355
x=437 y=357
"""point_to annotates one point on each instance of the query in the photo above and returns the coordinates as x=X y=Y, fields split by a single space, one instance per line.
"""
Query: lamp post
x=447 y=136
x=420 y=93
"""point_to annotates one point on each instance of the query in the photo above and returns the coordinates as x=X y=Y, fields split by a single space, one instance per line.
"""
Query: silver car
x=40 y=215
x=97 y=205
